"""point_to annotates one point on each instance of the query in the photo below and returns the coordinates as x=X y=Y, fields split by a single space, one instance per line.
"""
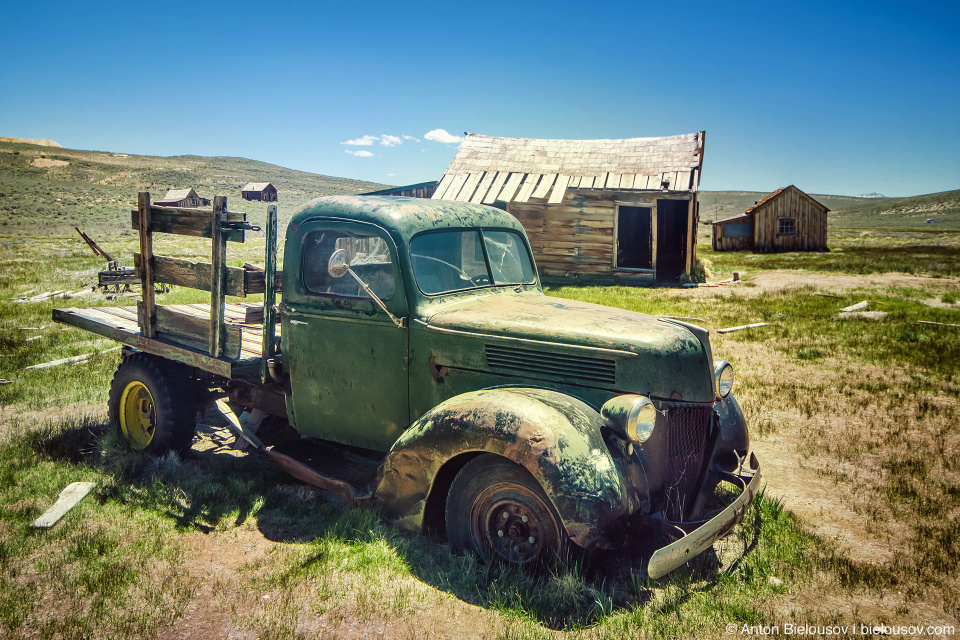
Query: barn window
x=788 y=227
x=737 y=230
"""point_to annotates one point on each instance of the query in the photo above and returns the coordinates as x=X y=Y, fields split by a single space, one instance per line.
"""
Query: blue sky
x=839 y=98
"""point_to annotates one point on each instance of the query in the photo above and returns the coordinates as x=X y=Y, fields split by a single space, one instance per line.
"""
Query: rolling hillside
x=49 y=190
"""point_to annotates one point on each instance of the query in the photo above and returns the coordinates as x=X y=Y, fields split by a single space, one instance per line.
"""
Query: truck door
x=346 y=358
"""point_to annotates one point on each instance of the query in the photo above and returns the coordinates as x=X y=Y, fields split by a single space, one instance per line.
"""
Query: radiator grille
x=532 y=362
x=687 y=427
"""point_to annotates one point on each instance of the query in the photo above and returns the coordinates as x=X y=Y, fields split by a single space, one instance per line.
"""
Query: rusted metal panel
x=553 y=436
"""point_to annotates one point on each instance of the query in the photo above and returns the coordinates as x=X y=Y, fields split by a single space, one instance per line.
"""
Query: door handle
x=298 y=322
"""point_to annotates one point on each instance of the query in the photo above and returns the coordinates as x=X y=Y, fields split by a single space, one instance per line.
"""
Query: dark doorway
x=671 y=239
x=634 y=247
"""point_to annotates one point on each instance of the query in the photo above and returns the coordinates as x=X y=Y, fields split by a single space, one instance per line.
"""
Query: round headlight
x=724 y=374
x=632 y=417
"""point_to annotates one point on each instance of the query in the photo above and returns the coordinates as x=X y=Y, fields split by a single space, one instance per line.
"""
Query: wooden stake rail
x=221 y=226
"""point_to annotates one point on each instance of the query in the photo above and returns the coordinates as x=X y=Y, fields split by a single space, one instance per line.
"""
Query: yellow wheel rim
x=138 y=416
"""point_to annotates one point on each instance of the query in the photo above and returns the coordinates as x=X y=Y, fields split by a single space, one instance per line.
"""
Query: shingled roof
x=487 y=169
x=255 y=186
x=176 y=195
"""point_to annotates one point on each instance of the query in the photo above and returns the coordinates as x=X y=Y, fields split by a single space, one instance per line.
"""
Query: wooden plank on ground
x=856 y=307
x=68 y=499
x=938 y=324
x=74 y=359
x=746 y=326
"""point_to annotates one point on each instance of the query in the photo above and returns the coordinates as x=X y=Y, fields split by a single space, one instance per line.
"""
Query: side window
x=368 y=255
x=787 y=227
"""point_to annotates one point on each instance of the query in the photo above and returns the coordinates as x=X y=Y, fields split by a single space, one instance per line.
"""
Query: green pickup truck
x=423 y=369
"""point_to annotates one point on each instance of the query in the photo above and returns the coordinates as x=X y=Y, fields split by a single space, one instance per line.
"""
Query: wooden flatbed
x=244 y=328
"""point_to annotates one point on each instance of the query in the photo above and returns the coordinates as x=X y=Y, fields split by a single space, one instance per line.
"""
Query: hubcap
x=138 y=419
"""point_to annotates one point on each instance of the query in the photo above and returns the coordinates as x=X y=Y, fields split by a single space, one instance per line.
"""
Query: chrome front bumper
x=700 y=536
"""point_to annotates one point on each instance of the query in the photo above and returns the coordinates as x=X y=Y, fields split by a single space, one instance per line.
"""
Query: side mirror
x=338 y=265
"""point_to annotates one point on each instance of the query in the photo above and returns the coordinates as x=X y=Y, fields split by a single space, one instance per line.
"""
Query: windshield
x=456 y=260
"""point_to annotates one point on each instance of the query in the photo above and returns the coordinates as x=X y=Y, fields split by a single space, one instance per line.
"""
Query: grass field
x=855 y=421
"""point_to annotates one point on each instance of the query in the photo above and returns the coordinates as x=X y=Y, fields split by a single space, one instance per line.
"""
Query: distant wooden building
x=596 y=211
x=262 y=191
x=785 y=220
x=182 y=198
x=419 y=190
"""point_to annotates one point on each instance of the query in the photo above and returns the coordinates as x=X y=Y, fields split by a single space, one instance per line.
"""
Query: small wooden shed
x=182 y=198
x=785 y=220
x=596 y=211
x=262 y=191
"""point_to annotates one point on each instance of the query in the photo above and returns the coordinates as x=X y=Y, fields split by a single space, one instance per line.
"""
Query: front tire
x=498 y=511
x=150 y=405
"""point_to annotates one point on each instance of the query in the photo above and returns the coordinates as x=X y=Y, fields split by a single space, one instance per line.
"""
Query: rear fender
x=555 y=437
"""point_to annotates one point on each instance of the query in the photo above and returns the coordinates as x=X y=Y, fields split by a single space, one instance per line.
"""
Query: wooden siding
x=811 y=217
x=574 y=240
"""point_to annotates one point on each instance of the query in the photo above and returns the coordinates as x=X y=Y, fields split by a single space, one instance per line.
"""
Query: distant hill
x=715 y=205
x=53 y=189
x=41 y=142
x=910 y=212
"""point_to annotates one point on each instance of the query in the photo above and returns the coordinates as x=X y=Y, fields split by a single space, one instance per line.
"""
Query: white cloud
x=411 y=138
x=391 y=175
x=390 y=141
x=361 y=153
x=440 y=135
x=364 y=141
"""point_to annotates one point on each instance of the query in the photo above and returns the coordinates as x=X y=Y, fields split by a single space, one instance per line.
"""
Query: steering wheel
x=475 y=280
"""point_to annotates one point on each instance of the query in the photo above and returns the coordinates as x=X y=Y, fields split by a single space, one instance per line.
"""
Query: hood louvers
x=539 y=363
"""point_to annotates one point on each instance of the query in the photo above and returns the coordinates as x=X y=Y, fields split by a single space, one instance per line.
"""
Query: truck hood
x=583 y=343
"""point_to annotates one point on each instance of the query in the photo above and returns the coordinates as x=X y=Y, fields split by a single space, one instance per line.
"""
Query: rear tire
x=151 y=404
x=498 y=511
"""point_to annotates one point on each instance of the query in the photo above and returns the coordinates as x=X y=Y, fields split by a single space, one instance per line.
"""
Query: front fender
x=553 y=436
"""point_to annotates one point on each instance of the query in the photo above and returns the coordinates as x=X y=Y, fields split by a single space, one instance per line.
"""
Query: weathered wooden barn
x=596 y=211
x=262 y=191
x=182 y=198
x=785 y=220
x=419 y=190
